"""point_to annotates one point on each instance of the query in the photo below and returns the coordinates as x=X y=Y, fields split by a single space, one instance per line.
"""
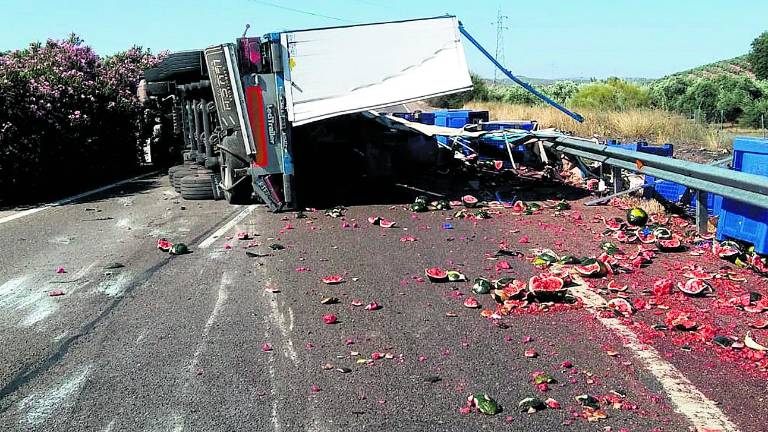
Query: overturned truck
x=244 y=110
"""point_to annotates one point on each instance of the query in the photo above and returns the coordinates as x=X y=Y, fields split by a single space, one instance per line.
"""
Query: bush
x=479 y=92
x=758 y=57
x=614 y=95
x=67 y=116
x=755 y=114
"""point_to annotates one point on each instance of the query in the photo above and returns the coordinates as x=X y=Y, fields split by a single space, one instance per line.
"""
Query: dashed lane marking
x=228 y=226
x=703 y=413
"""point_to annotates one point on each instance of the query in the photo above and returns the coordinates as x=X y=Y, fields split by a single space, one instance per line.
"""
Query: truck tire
x=172 y=170
x=198 y=187
x=179 y=175
x=177 y=65
x=234 y=192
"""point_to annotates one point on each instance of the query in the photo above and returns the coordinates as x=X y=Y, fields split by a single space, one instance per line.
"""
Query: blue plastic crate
x=741 y=221
x=527 y=125
x=750 y=155
x=642 y=146
x=457 y=119
x=406 y=116
x=427 y=118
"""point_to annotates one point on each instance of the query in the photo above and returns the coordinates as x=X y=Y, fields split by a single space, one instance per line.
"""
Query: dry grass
x=655 y=126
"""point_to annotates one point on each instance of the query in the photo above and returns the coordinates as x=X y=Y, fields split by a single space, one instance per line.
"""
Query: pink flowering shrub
x=67 y=116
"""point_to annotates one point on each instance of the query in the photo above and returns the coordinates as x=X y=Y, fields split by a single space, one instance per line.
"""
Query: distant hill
x=577 y=80
x=738 y=66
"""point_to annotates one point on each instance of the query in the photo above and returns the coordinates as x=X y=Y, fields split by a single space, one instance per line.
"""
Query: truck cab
x=237 y=106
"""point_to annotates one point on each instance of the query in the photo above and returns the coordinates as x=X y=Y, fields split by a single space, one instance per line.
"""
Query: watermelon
x=164 y=245
x=662 y=233
x=759 y=324
x=515 y=290
x=498 y=164
x=613 y=286
x=670 y=245
x=481 y=286
x=637 y=216
x=533 y=207
x=419 y=207
x=442 y=205
x=454 y=276
x=332 y=280
x=547 y=287
x=562 y=206
x=499 y=295
x=759 y=264
x=471 y=303
x=503 y=282
x=421 y=199
x=546 y=258
x=646 y=236
x=519 y=207
x=484 y=404
x=386 y=223
x=621 y=306
x=727 y=249
x=178 y=249
x=614 y=224
x=698 y=273
x=568 y=259
x=469 y=201
x=694 y=287
x=374 y=220
x=482 y=214
x=436 y=274
x=609 y=247
x=595 y=269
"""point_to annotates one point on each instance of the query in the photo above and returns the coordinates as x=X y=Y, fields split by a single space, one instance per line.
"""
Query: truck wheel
x=172 y=170
x=179 y=175
x=234 y=192
x=197 y=187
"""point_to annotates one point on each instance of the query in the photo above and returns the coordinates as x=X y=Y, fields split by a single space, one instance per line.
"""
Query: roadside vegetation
x=68 y=117
x=706 y=106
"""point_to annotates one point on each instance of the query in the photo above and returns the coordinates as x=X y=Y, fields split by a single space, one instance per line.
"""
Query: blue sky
x=545 y=39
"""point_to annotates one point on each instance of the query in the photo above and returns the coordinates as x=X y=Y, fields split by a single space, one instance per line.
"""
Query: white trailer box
x=341 y=70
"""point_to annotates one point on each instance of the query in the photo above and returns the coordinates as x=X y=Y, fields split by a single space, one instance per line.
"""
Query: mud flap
x=262 y=187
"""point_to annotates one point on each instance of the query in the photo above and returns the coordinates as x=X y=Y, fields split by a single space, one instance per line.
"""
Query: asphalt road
x=177 y=343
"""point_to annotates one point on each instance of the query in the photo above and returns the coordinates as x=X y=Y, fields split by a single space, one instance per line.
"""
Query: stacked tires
x=193 y=182
x=199 y=186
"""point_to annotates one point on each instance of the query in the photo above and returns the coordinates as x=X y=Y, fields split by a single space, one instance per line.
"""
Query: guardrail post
x=616 y=179
x=702 y=217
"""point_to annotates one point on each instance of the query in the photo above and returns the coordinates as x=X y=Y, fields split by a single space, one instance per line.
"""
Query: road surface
x=218 y=340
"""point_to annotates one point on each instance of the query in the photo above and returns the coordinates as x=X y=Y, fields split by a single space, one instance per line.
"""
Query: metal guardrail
x=743 y=187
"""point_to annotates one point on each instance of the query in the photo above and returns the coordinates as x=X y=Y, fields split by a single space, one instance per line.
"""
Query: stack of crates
x=671 y=191
x=741 y=221
x=457 y=119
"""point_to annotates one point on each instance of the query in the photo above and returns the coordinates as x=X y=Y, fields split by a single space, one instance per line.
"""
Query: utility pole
x=500 y=27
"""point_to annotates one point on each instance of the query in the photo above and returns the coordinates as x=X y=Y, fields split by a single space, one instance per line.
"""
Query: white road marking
x=279 y=318
x=223 y=230
x=221 y=301
x=32 y=211
x=38 y=407
x=687 y=399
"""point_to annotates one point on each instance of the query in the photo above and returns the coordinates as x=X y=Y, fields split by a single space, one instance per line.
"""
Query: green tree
x=561 y=91
x=612 y=94
x=758 y=57
x=755 y=113
x=700 y=100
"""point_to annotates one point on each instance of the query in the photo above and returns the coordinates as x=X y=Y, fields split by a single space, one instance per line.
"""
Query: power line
x=300 y=11
x=500 y=27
